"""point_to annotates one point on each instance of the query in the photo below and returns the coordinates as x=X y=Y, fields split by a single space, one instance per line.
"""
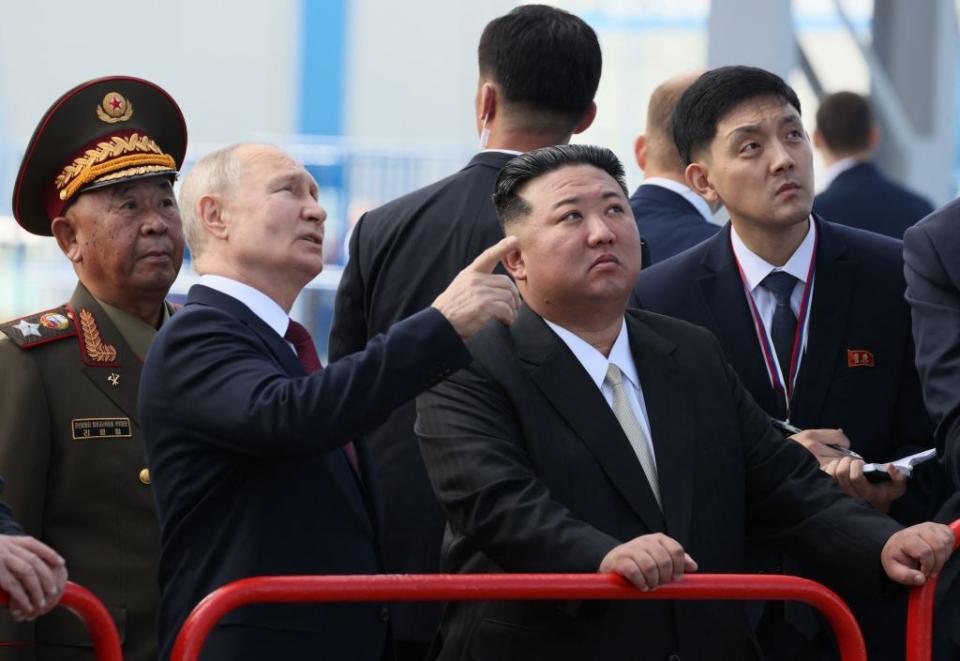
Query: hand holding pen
x=825 y=444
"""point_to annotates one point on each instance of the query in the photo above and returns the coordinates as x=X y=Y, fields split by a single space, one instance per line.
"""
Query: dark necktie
x=784 y=326
x=300 y=338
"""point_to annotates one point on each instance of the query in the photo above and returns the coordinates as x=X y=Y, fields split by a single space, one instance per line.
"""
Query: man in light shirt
x=856 y=192
x=587 y=437
x=670 y=215
x=810 y=314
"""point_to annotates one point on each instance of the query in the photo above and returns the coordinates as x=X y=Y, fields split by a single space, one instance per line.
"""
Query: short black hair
x=844 y=120
x=543 y=59
x=713 y=95
x=534 y=164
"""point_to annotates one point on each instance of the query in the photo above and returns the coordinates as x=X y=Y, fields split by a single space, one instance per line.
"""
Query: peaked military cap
x=100 y=133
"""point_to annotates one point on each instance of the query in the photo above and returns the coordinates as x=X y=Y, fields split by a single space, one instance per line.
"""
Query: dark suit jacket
x=931 y=250
x=249 y=475
x=667 y=222
x=8 y=525
x=857 y=305
x=402 y=256
x=536 y=475
x=863 y=197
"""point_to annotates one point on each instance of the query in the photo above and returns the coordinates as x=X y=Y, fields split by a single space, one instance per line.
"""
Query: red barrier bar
x=920 y=613
x=467 y=587
x=103 y=632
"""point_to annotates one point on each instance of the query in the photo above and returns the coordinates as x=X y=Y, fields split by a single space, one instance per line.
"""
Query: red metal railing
x=920 y=613
x=103 y=632
x=461 y=587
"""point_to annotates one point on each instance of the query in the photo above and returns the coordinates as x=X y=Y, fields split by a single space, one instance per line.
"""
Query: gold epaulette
x=41 y=327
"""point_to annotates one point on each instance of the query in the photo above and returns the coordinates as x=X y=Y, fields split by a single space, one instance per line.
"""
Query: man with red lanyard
x=810 y=315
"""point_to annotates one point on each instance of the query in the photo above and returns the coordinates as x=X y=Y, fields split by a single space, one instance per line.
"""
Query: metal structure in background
x=103 y=632
x=911 y=58
x=465 y=587
x=913 y=79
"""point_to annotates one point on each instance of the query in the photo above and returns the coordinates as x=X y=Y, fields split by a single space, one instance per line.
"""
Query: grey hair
x=217 y=172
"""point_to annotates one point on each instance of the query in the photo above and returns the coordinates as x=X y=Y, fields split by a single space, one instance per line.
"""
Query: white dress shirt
x=683 y=191
x=267 y=309
x=755 y=269
x=596 y=364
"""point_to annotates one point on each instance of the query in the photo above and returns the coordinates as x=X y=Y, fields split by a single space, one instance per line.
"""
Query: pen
x=787 y=428
x=844 y=450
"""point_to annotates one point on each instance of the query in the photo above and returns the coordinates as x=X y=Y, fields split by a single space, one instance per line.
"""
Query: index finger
x=489 y=258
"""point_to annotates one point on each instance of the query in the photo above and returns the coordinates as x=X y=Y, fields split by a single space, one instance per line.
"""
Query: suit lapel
x=832 y=289
x=108 y=361
x=730 y=317
x=366 y=507
x=275 y=344
x=578 y=401
x=670 y=424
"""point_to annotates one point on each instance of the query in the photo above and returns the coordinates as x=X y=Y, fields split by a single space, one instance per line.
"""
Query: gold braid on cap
x=136 y=154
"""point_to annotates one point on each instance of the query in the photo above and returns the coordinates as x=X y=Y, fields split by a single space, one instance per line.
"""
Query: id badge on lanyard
x=783 y=384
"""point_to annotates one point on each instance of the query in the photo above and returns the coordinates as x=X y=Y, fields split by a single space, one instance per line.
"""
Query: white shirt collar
x=755 y=268
x=594 y=362
x=685 y=192
x=837 y=169
x=259 y=303
x=502 y=151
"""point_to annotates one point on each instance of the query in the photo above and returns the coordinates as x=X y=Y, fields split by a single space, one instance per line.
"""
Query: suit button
x=383 y=613
x=144 y=476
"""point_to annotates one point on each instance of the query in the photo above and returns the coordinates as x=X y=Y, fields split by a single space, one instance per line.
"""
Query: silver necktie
x=632 y=428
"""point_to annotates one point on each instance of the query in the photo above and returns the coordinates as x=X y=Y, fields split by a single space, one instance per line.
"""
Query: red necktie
x=300 y=338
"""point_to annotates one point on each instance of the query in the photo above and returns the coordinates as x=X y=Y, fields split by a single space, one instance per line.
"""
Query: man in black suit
x=930 y=251
x=810 y=314
x=586 y=438
x=250 y=443
x=539 y=70
x=857 y=193
x=670 y=215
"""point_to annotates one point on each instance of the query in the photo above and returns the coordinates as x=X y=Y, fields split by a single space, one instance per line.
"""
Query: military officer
x=98 y=176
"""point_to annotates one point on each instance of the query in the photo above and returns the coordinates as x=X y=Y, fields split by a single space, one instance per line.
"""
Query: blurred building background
x=376 y=97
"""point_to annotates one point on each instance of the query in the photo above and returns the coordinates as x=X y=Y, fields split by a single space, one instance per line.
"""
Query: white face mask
x=484 y=134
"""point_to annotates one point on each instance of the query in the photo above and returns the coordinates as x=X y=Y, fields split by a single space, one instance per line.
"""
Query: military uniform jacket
x=72 y=455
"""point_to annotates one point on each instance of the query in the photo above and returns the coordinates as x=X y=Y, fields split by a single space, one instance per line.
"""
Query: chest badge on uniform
x=97 y=350
x=114 y=379
x=54 y=321
x=27 y=329
x=91 y=428
x=860 y=358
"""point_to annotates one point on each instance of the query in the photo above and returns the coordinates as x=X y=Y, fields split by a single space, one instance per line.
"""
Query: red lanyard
x=766 y=346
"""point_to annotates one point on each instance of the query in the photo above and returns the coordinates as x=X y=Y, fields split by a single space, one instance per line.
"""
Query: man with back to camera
x=251 y=442
x=856 y=192
x=589 y=438
x=930 y=252
x=539 y=71
x=98 y=176
x=794 y=301
x=670 y=215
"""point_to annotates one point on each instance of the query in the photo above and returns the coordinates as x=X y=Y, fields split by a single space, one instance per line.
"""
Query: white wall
x=233 y=66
